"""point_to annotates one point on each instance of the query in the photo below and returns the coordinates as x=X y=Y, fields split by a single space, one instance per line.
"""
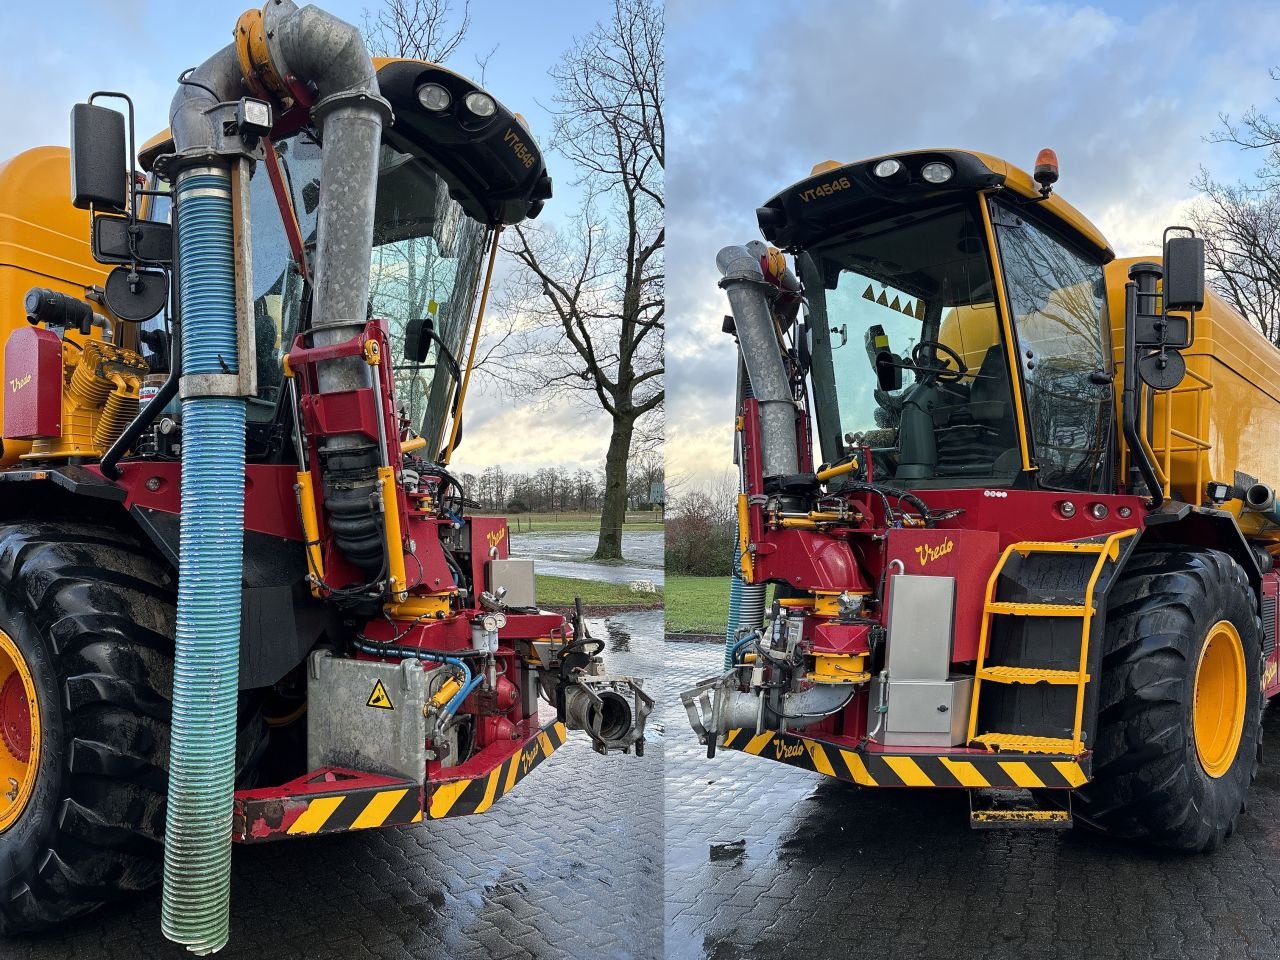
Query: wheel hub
x=1220 y=697
x=19 y=732
x=15 y=719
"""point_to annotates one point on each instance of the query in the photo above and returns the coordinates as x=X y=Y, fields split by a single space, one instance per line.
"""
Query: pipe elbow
x=215 y=81
x=736 y=263
x=324 y=49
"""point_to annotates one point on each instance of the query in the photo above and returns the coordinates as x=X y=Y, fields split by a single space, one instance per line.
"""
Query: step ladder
x=1107 y=551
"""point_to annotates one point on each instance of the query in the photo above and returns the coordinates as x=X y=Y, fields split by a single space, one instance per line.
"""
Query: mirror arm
x=1138 y=462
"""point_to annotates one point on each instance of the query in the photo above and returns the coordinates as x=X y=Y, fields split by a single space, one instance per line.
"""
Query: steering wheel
x=942 y=374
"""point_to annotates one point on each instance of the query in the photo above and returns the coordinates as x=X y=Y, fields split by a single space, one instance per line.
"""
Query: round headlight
x=434 y=97
x=886 y=168
x=481 y=104
x=936 y=172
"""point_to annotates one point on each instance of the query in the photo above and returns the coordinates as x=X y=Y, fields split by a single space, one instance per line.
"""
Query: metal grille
x=1268 y=626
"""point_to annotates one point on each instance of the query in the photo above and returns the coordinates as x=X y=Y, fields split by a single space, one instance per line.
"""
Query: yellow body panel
x=44 y=242
x=1237 y=414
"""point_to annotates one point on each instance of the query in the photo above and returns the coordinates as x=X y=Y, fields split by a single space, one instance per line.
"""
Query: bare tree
x=589 y=297
x=418 y=29
x=1241 y=222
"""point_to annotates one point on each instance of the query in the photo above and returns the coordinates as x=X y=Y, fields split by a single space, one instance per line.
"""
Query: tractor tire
x=1182 y=628
x=90 y=610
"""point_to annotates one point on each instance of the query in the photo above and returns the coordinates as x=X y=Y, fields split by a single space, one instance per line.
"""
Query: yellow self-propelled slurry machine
x=1034 y=547
x=241 y=595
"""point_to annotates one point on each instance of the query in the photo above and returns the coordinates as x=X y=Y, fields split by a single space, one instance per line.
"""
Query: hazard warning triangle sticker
x=379 y=698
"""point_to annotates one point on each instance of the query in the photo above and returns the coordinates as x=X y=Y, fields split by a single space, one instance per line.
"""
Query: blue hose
x=746 y=600
x=462 y=694
x=195 y=909
x=469 y=682
x=736 y=586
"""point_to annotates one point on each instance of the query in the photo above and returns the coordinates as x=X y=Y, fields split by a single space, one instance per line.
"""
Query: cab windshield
x=908 y=357
x=424 y=263
x=425 y=257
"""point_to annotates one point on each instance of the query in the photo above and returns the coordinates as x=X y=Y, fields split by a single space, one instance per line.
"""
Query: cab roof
x=836 y=196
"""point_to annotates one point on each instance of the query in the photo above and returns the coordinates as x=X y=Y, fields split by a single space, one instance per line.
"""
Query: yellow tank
x=44 y=242
x=1226 y=410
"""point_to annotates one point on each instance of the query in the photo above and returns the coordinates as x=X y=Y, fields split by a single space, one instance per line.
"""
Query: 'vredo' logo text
x=528 y=757
x=926 y=553
x=787 y=751
x=17 y=383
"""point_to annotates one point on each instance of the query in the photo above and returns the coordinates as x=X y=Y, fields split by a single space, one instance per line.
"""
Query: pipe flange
x=210 y=385
x=223 y=148
x=357 y=97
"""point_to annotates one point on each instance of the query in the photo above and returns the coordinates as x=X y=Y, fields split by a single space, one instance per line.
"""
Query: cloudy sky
x=140 y=47
x=758 y=92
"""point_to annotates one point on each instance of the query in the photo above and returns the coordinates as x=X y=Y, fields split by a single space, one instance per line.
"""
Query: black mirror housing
x=99 y=162
x=417 y=339
x=1184 y=273
x=888 y=371
x=152 y=240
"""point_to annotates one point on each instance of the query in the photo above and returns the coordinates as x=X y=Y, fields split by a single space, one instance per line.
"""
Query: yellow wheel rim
x=1220 y=697
x=19 y=733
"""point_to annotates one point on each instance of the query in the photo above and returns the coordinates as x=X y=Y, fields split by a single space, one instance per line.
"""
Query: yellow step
x=1052 y=546
x=1019 y=819
x=1031 y=675
x=1038 y=609
x=1020 y=743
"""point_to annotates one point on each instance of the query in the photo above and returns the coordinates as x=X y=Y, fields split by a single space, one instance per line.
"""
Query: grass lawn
x=560 y=591
x=696 y=604
x=579 y=523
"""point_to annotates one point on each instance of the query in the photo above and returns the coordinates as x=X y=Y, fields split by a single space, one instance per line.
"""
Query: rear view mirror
x=888 y=371
x=99 y=163
x=136 y=295
x=417 y=339
x=1184 y=273
x=118 y=239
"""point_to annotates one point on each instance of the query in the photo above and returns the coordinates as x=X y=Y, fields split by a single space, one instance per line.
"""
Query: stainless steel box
x=367 y=716
x=921 y=615
x=924 y=713
x=517 y=577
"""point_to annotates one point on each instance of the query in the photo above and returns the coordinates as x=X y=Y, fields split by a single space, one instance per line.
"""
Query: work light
x=434 y=97
x=481 y=104
x=936 y=172
x=887 y=168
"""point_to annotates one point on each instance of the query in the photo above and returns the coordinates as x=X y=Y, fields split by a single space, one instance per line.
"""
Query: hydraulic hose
x=469 y=682
x=462 y=694
x=195 y=908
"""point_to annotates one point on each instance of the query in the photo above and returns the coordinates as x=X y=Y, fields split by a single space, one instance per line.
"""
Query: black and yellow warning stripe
x=460 y=798
x=359 y=810
x=271 y=817
x=872 y=769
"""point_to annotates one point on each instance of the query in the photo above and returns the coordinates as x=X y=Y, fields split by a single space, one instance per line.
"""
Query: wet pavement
x=569 y=555
x=568 y=865
x=766 y=861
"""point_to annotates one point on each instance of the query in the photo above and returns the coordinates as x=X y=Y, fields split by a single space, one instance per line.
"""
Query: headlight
x=481 y=104
x=434 y=97
x=887 y=168
x=936 y=172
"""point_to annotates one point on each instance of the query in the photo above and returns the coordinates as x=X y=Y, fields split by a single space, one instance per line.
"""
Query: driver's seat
x=972 y=436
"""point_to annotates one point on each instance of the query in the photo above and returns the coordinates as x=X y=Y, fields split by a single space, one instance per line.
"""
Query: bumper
x=873 y=767
x=332 y=800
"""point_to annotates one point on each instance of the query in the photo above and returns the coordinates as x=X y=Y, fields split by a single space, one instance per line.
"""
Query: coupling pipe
x=1261 y=499
x=612 y=711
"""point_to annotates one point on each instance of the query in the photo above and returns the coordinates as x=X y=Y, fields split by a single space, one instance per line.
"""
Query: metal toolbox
x=923 y=713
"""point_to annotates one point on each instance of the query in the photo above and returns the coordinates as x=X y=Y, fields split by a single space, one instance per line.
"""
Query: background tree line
x=551 y=490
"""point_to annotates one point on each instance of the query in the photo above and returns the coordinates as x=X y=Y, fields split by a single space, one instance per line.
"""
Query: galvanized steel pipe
x=746 y=287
